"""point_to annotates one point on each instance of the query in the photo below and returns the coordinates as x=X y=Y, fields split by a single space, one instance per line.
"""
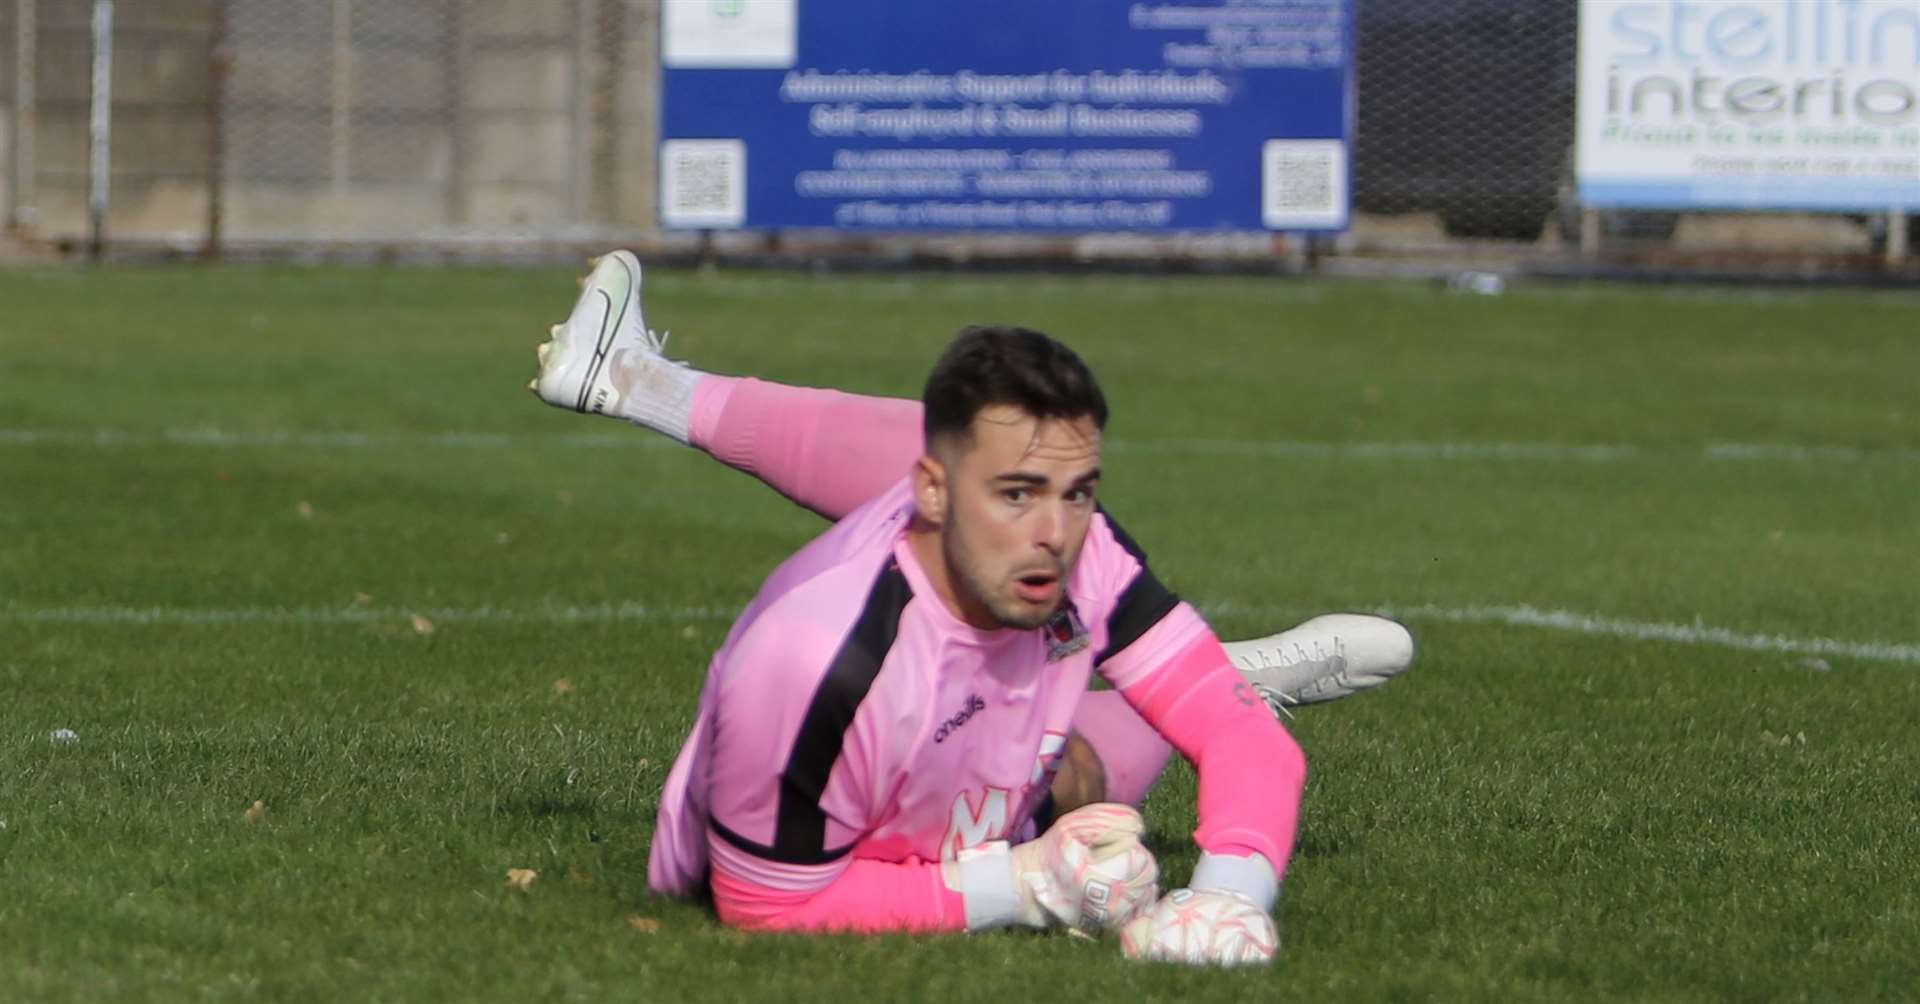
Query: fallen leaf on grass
x=421 y=625
x=304 y=509
x=645 y=925
x=563 y=686
x=257 y=811
x=521 y=878
x=689 y=632
x=579 y=877
x=362 y=599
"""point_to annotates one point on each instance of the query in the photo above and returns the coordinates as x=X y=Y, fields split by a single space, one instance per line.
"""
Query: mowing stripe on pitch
x=1280 y=449
x=1512 y=616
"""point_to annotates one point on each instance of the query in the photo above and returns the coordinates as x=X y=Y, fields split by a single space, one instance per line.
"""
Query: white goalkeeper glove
x=1089 y=872
x=1225 y=920
x=1202 y=928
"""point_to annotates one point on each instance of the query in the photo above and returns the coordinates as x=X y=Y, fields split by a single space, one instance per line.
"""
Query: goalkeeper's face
x=1018 y=496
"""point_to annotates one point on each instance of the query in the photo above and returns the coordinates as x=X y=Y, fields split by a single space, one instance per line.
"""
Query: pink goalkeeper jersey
x=851 y=715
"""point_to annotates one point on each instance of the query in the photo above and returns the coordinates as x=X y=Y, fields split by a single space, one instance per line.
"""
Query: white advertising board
x=1769 y=104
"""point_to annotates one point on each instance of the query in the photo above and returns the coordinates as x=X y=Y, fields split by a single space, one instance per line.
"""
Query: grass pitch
x=298 y=538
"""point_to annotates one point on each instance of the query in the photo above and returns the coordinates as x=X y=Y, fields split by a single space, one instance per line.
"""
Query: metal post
x=610 y=31
x=639 y=118
x=218 y=60
x=342 y=124
x=1589 y=232
x=1896 y=236
x=458 y=56
x=21 y=213
x=580 y=180
x=100 y=128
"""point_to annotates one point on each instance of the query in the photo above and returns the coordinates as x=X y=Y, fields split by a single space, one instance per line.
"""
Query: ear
x=930 y=489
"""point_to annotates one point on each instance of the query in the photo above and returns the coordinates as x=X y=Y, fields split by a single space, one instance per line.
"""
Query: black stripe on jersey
x=1142 y=606
x=800 y=833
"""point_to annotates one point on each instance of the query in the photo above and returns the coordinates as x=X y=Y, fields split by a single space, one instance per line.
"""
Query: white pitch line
x=216 y=438
x=1381 y=451
x=225 y=438
x=598 y=613
x=1689 y=634
x=1514 y=616
x=1786 y=451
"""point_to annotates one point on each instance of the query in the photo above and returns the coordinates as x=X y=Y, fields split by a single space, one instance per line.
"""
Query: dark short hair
x=990 y=365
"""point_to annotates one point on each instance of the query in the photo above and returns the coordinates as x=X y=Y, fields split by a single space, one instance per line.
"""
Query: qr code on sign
x=703 y=183
x=1303 y=184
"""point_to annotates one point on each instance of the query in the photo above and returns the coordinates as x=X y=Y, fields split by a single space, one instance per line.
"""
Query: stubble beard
x=972 y=580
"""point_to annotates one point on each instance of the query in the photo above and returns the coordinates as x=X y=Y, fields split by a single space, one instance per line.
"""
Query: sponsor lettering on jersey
x=974 y=706
x=969 y=828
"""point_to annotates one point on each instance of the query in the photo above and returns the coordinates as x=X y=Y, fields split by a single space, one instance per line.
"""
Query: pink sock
x=824 y=449
x=1130 y=750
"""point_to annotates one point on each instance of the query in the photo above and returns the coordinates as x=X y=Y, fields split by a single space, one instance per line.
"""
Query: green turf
x=224 y=495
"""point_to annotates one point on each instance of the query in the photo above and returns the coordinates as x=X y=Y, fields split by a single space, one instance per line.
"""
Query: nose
x=1050 y=528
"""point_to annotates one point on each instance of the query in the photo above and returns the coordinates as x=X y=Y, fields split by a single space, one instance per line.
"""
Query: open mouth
x=1036 y=587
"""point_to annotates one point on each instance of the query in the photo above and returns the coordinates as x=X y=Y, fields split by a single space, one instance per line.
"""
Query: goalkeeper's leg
x=824 y=449
x=827 y=450
x=831 y=451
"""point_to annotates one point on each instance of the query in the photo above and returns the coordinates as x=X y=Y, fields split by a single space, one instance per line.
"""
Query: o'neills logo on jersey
x=974 y=706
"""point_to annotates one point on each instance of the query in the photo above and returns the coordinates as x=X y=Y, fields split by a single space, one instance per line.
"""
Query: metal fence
x=384 y=119
x=266 y=122
x=337 y=120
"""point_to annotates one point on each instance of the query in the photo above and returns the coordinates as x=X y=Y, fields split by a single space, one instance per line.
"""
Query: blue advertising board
x=1006 y=114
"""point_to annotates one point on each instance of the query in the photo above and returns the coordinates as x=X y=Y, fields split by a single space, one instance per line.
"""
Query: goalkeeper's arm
x=1088 y=871
x=1252 y=773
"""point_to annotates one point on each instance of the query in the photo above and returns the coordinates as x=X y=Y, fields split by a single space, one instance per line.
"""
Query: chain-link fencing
x=375 y=121
x=404 y=119
x=338 y=120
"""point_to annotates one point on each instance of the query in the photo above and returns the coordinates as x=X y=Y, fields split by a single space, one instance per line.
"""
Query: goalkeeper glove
x=1089 y=872
x=1202 y=927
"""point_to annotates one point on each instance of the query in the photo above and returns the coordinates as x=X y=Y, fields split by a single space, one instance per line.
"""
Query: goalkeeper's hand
x=1089 y=871
x=1202 y=928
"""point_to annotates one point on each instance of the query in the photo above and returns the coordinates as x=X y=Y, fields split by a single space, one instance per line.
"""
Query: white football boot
x=1324 y=659
x=604 y=360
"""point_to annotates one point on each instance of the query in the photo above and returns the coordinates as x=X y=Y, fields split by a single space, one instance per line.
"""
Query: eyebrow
x=1040 y=480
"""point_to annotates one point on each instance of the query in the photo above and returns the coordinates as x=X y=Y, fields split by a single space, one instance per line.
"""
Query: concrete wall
x=409 y=118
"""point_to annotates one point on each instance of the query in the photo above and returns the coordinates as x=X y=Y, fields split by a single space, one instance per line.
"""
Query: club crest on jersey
x=1065 y=633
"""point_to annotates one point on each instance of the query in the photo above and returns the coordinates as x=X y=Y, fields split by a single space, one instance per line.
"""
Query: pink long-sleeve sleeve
x=866 y=896
x=1252 y=772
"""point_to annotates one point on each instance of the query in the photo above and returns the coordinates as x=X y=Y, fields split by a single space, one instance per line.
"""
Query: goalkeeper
x=883 y=741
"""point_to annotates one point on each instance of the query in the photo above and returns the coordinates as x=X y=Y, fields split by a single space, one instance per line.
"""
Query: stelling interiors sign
x=1720 y=104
